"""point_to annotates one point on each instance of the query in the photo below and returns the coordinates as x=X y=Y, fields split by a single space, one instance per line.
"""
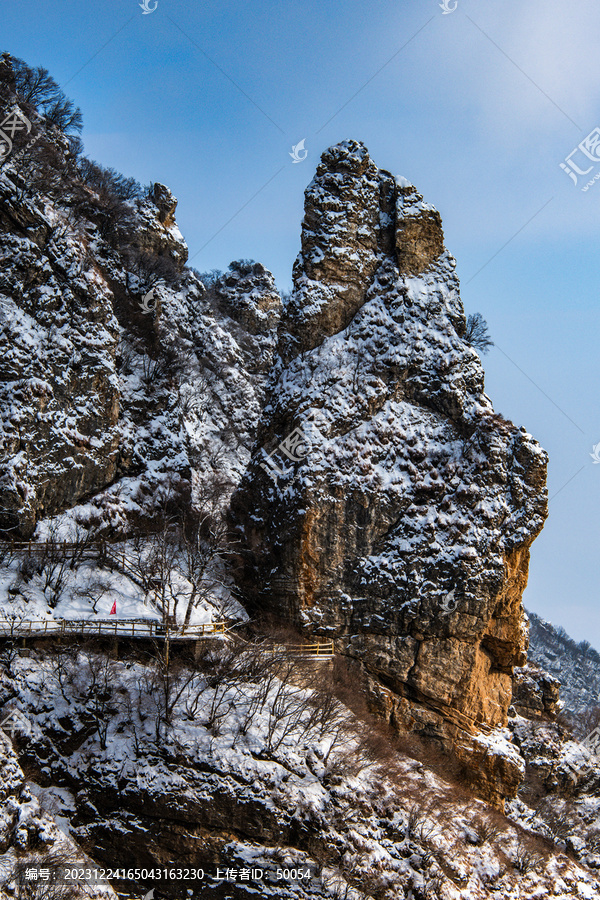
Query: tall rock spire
x=386 y=505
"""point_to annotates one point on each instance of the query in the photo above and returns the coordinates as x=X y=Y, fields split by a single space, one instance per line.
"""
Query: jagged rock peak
x=399 y=516
x=165 y=202
x=357 y=219
x=249 y=295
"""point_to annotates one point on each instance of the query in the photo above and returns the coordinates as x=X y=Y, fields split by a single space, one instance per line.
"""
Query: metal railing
x=62 y=546
x=318 y=649
x=133 y=628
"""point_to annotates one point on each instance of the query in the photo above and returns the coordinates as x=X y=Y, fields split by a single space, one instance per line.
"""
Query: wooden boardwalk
x=143 y=629
x=56 y=546
x=131 y=628
x=114 y=553
x=317 y=650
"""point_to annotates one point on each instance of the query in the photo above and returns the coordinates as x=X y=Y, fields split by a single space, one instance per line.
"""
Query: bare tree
x=51 y=565
x=477 y=333
x=97 y=680
x=65 y=115
x=203 y=552
x=62 y=669
x=154 y=565
x=165 y=684
x=93 y=590
x=13 y=621
x=37 y=87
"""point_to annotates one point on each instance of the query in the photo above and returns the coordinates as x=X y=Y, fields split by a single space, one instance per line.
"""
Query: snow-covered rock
x=395 y=509
x=123 y=381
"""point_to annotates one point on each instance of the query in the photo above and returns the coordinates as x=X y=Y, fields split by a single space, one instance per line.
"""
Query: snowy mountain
x=121 y=374
x=575 y=665
x=185 y=450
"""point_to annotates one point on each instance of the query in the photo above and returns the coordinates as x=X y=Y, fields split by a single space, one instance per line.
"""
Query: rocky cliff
x=29 y=835
x=124 y=383
x=386 y=505
x=256 y=772
x=379 y=501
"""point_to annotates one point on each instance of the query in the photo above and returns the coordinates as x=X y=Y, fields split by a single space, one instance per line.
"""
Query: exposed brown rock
x=402 y=528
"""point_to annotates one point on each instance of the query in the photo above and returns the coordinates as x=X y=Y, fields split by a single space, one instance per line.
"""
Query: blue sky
x=477 y=107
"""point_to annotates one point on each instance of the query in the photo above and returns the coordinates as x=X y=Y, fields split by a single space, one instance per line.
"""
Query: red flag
x=113 y=611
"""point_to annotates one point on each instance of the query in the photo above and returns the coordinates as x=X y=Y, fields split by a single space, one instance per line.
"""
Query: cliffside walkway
x=323 y=650
x=142 y=629
x=132 y=628
x=57 y=546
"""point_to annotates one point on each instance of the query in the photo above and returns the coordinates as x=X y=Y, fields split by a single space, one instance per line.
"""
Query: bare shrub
x=487 y=831
x=148 y=268
x=418 y=827
x=556 y=821
x=433 y=887
x=52 y=889
x=93 y=589
x=525 y=859
x=593 y=841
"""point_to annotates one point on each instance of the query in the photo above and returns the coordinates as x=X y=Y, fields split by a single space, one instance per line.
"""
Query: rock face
x=249 y=295
x=395 y=510
x=58 y=386
x=29 y=836
x=112 y=397
x=63 y=293
x=535 y=693
x=575 y=665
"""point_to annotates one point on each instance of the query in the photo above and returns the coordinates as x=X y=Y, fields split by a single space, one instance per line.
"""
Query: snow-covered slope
x=235 y=771
x=575 y=665
x=124 y=383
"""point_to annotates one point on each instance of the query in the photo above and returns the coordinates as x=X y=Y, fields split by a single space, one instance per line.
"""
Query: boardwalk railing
x=60 y=546
x=135 y=628
x=311 y=651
